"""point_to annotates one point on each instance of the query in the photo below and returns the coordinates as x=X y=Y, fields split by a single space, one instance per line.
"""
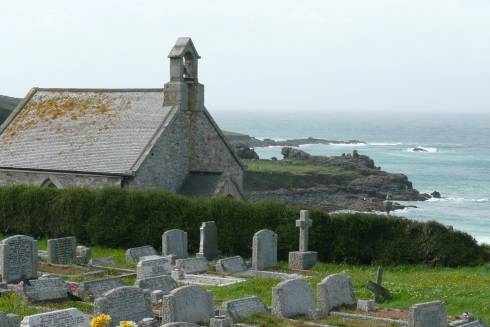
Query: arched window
x=48 y=183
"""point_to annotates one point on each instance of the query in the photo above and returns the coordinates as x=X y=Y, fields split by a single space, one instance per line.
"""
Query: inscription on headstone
x=231 y=265
x=174 y=242
x=187 y=304
x=241 y=309
x=96 y=288
x=45 y=289
x=60 y=318
x=125 y=303
x=430 y=314
x=153 y=266
x=160 y=283
x=18 y=258
x=62 y=251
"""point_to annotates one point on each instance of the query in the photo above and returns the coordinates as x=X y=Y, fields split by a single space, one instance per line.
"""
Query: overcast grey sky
x=405 y=55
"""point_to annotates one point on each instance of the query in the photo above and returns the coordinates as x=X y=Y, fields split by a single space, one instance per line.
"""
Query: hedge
x=126 y=218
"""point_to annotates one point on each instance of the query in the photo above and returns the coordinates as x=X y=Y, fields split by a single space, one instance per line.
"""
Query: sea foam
x=424 y=149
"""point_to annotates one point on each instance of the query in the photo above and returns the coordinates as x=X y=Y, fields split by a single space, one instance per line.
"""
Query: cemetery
x=58 y=282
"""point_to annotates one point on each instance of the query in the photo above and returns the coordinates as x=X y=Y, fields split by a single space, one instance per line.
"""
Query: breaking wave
x=421 y=149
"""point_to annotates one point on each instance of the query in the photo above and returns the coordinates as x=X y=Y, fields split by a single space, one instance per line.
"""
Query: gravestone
x=45 y=289
x=241 y=309
x=174 y=242
x=334 y=291
x=180 y=324
x=159 y=283
x=264 y=249
x=365 y=305
x=153 y=266
x=231 y=265
x=9 y=320
x=18 y=258
x=430 y=314
x=124 y=303
x=192 y=265
x=60 y=318
x=135 y=254
x=208 y=244
x=292 y=298
x=220 y=321
x=187 y=304
x=97 y=288
x=102 y=261
x=380 y=294
x=84 y=254
x=303 y=259
x=62 y=251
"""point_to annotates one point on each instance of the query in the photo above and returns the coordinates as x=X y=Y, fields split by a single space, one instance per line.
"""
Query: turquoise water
x=457 y=163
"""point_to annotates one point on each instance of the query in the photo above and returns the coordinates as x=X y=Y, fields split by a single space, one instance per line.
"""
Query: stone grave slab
x=84 y=254
x=335 y=290
x=264 y=249
x=152 y=266
x=124 y=303
x=208 y=244
x=180 y=324
x=97 y=288
x=187 y=304
x=102 y=261
x=192 y=265
x=174 y=242
x=231 y=265
x=430 y=314
x=9 y=320
x=269 y=274
x=62 y=250
x=45 y=289
x=243 y=308
x=209 y=280
x=159 y=283
x=18 y=258
x=60 y=318
x=135 y=254
x=292 y=298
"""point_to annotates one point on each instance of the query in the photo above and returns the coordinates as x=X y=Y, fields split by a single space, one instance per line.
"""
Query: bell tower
x=183 y=88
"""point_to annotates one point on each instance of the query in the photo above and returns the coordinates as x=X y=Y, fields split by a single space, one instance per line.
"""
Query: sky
x=310 y=55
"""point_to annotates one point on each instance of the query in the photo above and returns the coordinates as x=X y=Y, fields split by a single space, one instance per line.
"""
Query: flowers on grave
x=101 y=320
x=127 y=324
x=73 y=287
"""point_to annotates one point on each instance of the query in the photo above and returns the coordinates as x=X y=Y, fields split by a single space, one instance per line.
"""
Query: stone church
x=130 y=138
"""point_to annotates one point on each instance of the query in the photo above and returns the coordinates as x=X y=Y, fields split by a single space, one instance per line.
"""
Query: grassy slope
x=464 y=289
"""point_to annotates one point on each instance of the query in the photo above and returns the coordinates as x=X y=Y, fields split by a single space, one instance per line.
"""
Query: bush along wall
x=126 y=218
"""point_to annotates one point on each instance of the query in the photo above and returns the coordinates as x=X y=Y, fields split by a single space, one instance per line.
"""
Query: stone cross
x=304 y=224
x=380 y=293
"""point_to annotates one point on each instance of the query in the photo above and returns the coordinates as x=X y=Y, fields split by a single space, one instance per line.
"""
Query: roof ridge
x=99 y=90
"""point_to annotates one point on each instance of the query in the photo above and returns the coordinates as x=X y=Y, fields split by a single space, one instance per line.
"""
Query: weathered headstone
x=135 y=254
x=161 y=283
x=18 y=258
x=365 y=305
x=430 y=314
x=231 y=265
x=9 y=320
x=180 y=324
x=124 y=303
x=45 y=289
x=303 y=259
x=334 y=291
x=192 y=265
x=102 y=261
x=60 y=318
x=187 y=304
x=153 y=266
x=84 y=254
x=380 y=294
x=292 y=298
x=174 y=242
x=208 y=244
x=62 y=251
x=97 y=288
x=264 y=249
x=241 y=309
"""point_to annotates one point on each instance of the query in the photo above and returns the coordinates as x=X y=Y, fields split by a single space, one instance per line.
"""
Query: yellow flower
x=101 y=320
x=127 y=324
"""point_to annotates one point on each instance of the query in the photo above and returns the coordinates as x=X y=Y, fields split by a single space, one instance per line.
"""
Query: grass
x=297 y=167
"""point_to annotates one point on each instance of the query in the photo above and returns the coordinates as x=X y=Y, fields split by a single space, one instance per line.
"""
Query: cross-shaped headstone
x=380 y=293
x=304 y=224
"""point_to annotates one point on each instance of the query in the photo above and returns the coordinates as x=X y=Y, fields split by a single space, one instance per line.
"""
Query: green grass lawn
x=298 y=167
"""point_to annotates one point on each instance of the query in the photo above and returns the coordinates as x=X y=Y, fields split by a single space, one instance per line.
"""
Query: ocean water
x=457 y=161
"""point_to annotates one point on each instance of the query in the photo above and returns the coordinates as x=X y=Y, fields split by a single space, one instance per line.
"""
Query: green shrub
x=125 y=218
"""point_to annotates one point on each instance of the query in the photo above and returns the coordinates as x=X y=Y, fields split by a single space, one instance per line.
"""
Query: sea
x=456 y=160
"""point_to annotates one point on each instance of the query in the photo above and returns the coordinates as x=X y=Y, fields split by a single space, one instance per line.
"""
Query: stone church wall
x=59 y=180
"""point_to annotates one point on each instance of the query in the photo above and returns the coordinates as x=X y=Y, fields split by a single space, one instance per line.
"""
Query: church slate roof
x=83 y=130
